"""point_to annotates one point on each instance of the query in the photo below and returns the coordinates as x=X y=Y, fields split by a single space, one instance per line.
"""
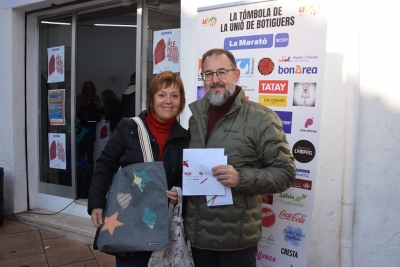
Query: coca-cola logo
x=268 y=217
x=294 y=217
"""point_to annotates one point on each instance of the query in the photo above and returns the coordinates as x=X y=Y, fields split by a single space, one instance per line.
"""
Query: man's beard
x=217 y=99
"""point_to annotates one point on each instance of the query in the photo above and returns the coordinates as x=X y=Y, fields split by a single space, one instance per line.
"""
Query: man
x=259 y=162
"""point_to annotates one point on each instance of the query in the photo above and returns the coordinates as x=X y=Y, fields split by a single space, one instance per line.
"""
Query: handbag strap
x=144 y=140
x=178 y=206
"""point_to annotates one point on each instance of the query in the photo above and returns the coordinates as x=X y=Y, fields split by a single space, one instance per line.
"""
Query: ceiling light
x=58 y=23
x=115 y=25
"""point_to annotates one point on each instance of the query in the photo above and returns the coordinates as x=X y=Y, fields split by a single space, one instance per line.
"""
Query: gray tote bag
x=136 y=213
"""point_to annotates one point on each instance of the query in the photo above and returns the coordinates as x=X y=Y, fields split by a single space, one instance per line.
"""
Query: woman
x=88 y=106
x=112 y=108
x=165 y=100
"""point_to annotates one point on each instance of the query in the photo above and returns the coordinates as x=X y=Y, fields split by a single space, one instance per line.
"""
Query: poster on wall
x=55 y=64
x=56 y=105
x=279 y=47
x=57 y=153
x=166 y=50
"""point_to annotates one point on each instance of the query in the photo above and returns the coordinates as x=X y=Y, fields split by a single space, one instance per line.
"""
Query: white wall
x=12 y=110
x=369 y=68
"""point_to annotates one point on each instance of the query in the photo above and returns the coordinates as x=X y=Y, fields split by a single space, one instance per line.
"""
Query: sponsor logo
x=286 y=118
x=249 y=42
x=166 y=33
x=268 y=217
x=267 y=199
x=267 y=240
x=212 y=21
x=290 y=253
x=281 y=40
x=245 y=65
x=304 y=94
x=261 y=255
x=294 y=217
x=309 y=10
x=302 y=184
x=266 y=66
x=199 y=69
x=298 y=69
x=292 y=264
x=272 y=100
x=273 y=87
x=292 y=200
x=293 y=235
x=303 y=151
x=304 y=58
x=284 y=59
x=302 y=173
x=308 y=122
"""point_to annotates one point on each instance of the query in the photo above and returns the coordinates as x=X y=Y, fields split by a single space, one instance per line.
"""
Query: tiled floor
x=25 y=246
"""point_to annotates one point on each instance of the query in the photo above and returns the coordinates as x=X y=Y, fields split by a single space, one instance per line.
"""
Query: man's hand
x=226 y=175
x=172 y=195
x=97 y=217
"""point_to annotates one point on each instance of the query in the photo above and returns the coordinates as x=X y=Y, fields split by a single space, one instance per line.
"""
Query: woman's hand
x=97 y=217
x=172 y=195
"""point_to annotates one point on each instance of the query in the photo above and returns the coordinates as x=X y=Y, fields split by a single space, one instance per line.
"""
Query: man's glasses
x=208 y=75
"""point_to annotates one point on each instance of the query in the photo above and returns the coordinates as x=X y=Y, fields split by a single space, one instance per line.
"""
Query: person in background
x=259 y=162
x=88 y=106
x=128 y=98
x=112 y=108
x=165 y=100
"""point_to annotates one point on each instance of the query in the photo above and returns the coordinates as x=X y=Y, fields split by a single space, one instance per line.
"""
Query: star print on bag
x=110 y=223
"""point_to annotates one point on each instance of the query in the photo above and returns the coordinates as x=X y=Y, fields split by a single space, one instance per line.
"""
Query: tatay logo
x=297 y=70
x=209 y=21
x=302 y=173
x=273 y=87
x=309 y=9
x=249 y=42
x=309 y=122
x=286 y=118
x=293 y=235
x=302 y=184
x=281 y=40
x=268 y=217
x=294 y=217
x=303 y=151
x=272 y=101
x=245 y=65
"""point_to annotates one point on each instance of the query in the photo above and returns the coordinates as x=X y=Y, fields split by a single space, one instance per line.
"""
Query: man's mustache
x=216 y=85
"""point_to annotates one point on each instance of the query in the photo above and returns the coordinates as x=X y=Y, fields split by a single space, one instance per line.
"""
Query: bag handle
x=144 y=140
x=178 y=207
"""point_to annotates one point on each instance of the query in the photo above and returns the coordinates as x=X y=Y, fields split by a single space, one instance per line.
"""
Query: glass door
x=55 y=44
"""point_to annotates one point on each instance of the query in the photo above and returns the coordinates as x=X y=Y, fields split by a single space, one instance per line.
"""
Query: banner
x=279 y=48
x=56 y=102
x=55 y=63
x=166 y=50
x=57 y=151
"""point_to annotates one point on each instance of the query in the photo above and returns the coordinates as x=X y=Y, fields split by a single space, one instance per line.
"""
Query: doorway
x=102 y=47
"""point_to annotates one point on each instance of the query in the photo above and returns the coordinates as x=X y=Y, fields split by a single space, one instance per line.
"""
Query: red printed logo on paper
x=294 y=217
x=53 y=150
x=52 y=65
x=268 y=217
x=266 y=66
x=159 y=52
x=273 y=87
x=103 y=132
